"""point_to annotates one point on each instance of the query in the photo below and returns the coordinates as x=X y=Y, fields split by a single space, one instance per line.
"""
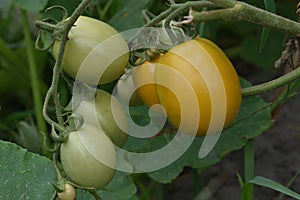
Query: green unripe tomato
x=69 y=193
x=93 y=48
x=88 y=157
x=106 y=112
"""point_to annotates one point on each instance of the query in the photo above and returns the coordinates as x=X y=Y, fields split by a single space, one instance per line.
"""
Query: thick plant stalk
x=34 y=77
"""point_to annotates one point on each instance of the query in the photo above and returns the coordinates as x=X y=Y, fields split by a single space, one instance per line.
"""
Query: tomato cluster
x=194 y=81
x=89 y=156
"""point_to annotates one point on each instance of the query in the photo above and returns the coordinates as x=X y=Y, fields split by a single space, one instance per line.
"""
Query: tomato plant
x=194 y=81
x=91 y=37
x=198 y=67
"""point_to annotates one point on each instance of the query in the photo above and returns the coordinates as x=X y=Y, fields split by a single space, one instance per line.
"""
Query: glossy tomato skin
x=98 y=43
x=107 y=113
x=126 y=90
x=143 y=78
x=88 y=157
x=198 y=69
x=69 y=193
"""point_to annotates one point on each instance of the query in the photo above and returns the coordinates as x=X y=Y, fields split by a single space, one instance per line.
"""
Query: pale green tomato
x=69 y=193
x=94 y=49
x=88 y=157
x=126 y=90
x=106 y=112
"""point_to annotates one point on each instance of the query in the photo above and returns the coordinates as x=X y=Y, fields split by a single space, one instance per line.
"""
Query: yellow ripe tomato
x=198 y=87
x=95 y=52
x=143 y=78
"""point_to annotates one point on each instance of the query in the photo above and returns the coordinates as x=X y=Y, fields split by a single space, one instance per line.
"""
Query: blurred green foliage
x=240 y=40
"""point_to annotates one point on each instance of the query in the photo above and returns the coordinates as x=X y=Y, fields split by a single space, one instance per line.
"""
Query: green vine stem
x=245 y=12
x=176 y=9
x=61 y=31
x=34 y=77
x=271 y=85
x=248 y=168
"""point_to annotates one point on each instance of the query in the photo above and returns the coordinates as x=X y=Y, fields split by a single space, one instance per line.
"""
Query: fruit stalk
x=271 y=85
x=244 y=12
x=52 y=92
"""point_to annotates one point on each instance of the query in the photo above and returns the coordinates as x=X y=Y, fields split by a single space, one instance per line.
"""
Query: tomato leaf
x=258 y=180
x=28 y=137
x=272 y=50
x=270 y=6
x=24 y=175
x=240 y=179
x=253 y=119
x=130 y=15
x=33 y=5
x=121 y=187
x=264 y=36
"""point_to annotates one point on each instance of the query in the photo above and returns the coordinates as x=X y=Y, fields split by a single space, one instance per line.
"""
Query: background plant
x=21 y=119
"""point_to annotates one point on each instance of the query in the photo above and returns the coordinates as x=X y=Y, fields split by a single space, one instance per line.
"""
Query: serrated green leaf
x=121 y=187
x=251 y=122
x=258 y=180
x=270 y=6
x=24 y=175
x=130 y=15
x=32 y=5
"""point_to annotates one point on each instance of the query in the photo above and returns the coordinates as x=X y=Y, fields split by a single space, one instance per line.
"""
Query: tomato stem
x=46 y=26
x=240 y=11
x=271 y=85
x=175 y=9
x=249 y=168
x=57 y=69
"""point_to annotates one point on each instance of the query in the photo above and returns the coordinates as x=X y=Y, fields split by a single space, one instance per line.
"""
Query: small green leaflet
x=130 y=15
x=270 y=6
x=258 y=180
